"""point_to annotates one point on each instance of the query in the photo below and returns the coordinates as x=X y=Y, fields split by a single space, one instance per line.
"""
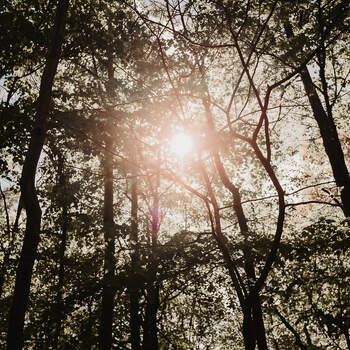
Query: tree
x=329 y=24
x=28 y=193
x=183 y=23
x=312 y=291
x=145 y=245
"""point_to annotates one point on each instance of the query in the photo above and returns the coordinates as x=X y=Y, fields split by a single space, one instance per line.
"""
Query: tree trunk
x=150 y=336
x=248 y=331
x=59 y=314
x=135 y=320
x=134 y=292
x=3 y=270
x=6 y=252
x=298 y=340
x=150 y=329
x=253 y=325
x=329 y=134
x=58 y=308
x=253 y=328
x=108 y=292
x=32 y=232
x=87 y=332
x=259 y=324
x=331 y=143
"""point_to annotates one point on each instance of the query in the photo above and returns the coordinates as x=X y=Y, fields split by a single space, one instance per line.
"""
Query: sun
x=181 y=144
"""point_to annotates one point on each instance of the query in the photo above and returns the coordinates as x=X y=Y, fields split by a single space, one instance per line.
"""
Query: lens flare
x=181 y=144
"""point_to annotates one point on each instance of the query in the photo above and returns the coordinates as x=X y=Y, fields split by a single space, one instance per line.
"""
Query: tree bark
x=248 y=331
x=253 y=323
x=6 y=251
x=329 y=134
x=108 y=291
x=298 y=340
x=331 y=143
x=58 y=308
x=254 y=333
x=134 y=292
x=3 y=270
x=259 y=323
x=31 y=203
x=150 y=336
x=135 y=324
x=87 y=333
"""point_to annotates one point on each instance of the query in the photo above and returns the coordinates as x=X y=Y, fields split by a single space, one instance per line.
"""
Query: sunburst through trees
x=174 y=174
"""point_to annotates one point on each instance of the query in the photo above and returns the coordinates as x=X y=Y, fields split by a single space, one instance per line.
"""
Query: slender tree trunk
x=331 y=143
x=59 y=314
x=58 y=308
x=108 y=292
x=62 y=201
x=87 y=329
x=259 y=324
x=32 y=232
x=134 y=292
x=150 y=336
x=253 y=329
x=254 y=333
x=329 y=134
x=135 y=319
x=5 y=262
x=11 y=237
x=248 y=331
x=298 y=340
x=3 y=270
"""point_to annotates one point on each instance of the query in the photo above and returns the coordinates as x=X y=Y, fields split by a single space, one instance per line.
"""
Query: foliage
x=255 y=199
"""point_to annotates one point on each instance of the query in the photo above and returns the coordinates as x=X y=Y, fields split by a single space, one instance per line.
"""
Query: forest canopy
x=174 y=174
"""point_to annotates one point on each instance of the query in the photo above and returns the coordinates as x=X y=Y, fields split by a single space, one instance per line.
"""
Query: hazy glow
x=181 y=144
